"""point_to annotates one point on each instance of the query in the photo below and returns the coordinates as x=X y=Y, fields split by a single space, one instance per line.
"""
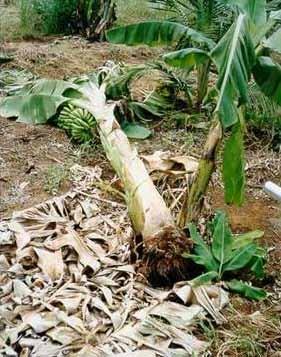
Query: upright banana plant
x=94 y=17
x=242 y=53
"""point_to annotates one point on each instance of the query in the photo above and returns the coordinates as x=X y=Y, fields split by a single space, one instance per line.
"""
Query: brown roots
x=163 y=263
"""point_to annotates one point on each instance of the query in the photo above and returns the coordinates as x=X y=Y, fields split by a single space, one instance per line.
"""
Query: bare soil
x=70 y=56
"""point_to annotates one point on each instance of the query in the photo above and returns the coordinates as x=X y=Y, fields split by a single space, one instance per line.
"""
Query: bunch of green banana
x=77 y=122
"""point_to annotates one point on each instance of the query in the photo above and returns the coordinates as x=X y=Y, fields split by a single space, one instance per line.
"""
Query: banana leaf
x=234 y=167
x=267 y=75
x=222 y=239
x=187 y=58
x=234 y=57
x=247 y=290
x=156 y=33
x=37 y=103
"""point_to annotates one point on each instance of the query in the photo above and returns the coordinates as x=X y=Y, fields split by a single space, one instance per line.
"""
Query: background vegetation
x=54 y=16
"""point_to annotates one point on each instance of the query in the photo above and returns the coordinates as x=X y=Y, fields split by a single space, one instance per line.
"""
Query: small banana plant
x=228 y=255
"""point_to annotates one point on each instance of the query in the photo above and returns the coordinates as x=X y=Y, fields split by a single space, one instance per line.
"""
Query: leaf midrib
x=231 y=57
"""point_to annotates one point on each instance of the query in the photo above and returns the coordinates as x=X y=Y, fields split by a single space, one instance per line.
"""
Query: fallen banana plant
x=133 y=106
x=163 y=241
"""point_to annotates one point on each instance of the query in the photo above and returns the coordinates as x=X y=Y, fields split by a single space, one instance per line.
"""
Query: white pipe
x=273 y=190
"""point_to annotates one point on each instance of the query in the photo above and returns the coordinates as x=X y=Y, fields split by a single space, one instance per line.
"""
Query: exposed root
x=162 y=256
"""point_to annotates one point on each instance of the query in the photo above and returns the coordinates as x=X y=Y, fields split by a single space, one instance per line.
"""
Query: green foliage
x=255 y=9
x=267 y=74
x=50 y=17
x=36 y=103
x=234 y=167
x=156 y=33
x=119 y=79
x=4 y=58
x=156 y=103
x=246 y=290
x=193 y=23
x=40 y=101
x=234 y=57
x=187 y=58
x=54 y=177
x=228 y=254
x=67 y=16
x=203 y=255
x=274 y=42
x=211 y=17
x=10 y=22
x=135 y=131
x=133 y=11
x=12 y=81
x=263 y=117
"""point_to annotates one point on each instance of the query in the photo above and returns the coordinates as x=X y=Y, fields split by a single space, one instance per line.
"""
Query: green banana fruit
x=77 y=122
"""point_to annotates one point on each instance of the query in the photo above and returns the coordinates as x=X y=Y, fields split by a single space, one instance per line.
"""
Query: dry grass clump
x=252 y=330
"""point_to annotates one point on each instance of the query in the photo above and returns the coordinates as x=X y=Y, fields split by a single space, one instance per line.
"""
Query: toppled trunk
x=163 y=242
x=195 y=198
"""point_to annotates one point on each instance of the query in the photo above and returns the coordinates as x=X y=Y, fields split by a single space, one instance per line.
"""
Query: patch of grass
x=26 y=11
x=252 y=334
x=132 y=11
x=10 y=23
x=57 y=174
x=48 y=17
x=54 y=178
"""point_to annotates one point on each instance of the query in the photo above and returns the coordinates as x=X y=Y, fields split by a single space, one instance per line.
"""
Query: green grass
x=132 y=11
x=245 y=334
x=54 y=178
x=10 y=23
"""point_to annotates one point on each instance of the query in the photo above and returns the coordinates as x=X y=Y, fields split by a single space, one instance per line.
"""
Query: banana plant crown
x=37 y=101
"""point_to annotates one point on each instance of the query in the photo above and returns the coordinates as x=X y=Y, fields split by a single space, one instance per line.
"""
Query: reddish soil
x=35 y=163
x=256 y=214
x=65 y=57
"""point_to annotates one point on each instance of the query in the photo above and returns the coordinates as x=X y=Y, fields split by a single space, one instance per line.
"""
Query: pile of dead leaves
x=67 y=286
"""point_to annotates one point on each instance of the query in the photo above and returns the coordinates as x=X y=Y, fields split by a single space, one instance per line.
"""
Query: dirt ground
x=35 y=163
x=69 y=56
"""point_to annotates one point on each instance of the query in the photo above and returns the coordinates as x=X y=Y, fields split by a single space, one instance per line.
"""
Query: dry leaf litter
x=67 y=286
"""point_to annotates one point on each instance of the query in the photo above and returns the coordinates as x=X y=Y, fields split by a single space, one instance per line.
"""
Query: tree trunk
x=195 y=198
x=105 y=19
x=96 y=18
x=163 y=242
